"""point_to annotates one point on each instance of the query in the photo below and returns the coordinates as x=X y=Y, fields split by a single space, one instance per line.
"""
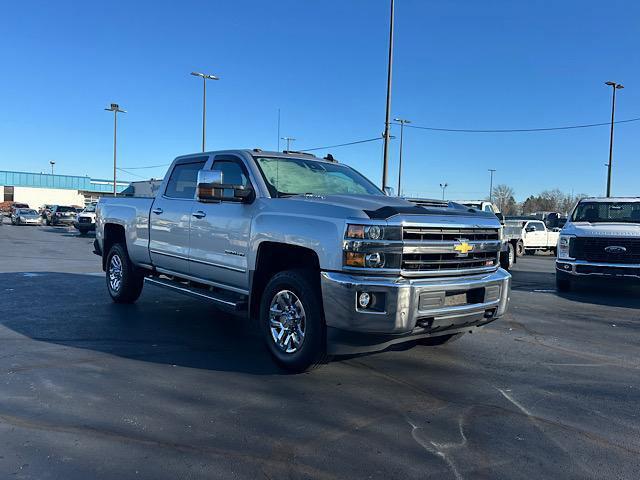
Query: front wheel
x=124 y=280
x=563 y=284
x=520 y=249
x=508 y=258
x=292 y=322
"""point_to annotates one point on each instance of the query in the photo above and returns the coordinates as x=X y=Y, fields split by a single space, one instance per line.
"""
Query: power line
x=130 y=173
x=150 y=166
x=517 y=130
x=342 y=144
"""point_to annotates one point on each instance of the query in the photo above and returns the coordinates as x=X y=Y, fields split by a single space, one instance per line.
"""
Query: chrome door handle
x=157 y=211
x=199 y=214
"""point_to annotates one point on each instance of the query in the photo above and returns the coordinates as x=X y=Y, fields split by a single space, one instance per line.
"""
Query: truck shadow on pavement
x=75 y=310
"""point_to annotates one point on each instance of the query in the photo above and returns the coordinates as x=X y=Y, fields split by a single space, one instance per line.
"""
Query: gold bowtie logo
x=463 y=248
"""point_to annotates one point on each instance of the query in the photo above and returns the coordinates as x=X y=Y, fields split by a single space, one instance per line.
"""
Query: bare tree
x=504 y=198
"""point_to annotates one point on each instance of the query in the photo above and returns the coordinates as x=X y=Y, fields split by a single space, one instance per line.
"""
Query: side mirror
x=388 y=191
x=500 y=217
x=211 y=188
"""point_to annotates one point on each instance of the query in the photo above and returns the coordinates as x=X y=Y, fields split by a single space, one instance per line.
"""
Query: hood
x=383 y=207
x=586 y=229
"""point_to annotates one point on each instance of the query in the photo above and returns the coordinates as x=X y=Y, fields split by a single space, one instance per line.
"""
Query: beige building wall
x=36 y=197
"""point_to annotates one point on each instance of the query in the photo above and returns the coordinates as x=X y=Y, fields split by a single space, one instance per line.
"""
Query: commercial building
x=37 y=189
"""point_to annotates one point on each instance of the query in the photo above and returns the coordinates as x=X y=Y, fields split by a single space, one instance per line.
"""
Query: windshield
x=295 y=176
x=599 y=212
x=27 y=211
x=90 y=209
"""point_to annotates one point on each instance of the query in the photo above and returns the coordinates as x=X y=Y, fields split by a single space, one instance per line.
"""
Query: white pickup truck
x=316 y=253
x=530 y=236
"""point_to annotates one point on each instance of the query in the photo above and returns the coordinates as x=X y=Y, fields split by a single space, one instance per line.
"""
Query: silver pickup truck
x=311 y=249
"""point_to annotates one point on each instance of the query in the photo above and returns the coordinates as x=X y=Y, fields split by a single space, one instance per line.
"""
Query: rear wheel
x=519 y=249
x=124 y=280
x=292 y=322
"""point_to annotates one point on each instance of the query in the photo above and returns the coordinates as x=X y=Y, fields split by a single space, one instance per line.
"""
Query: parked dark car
x=61 y=215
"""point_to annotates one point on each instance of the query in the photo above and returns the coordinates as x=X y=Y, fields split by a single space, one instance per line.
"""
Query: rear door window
x=182 y=183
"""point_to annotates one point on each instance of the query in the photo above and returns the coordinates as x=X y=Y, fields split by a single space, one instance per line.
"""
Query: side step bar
x=228 y=302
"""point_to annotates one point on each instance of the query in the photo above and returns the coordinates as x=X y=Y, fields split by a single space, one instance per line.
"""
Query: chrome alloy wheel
x=287 y=321
x=115 y=273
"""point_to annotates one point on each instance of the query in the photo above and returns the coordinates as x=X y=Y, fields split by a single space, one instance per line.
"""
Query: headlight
x=564 y=246
x=22 y=219
x=373 y=246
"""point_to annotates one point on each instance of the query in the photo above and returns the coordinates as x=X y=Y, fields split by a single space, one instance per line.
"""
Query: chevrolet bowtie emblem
x=463 y=248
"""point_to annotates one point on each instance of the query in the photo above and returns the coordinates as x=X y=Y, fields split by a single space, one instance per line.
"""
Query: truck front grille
x=453 y=234
x=437 y=254
x=595 y=250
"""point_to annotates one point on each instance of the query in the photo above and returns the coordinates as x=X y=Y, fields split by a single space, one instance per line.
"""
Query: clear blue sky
x=458 y=64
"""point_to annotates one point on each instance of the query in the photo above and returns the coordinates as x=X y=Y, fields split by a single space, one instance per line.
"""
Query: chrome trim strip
x=201 y=280
x=188 y=291
x=448 y=246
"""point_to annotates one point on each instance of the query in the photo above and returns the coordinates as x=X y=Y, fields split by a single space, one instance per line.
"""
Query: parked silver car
x=25 y=216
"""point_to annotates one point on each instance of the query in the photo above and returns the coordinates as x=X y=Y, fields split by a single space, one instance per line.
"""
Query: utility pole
x=52 y=164
x=288 y=140
x=402 y=122
x=614 y=86
x=204 y=77
x=443 y=186
x=115 y=108
x=492 y=171
x=278 y=131
x=385 y=158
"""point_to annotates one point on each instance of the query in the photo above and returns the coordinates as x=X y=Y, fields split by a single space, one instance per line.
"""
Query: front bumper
x=63 y=221
x=84 y=225
x=29 y=221
x=408 y=309
x=582 y=268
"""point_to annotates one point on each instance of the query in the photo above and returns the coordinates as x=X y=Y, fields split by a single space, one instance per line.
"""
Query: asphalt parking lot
x=171 y=388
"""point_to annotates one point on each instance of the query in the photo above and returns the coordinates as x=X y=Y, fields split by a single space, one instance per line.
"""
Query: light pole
x=288 y=140
x=52 y=164
x=204 y=77
x=115 y=108
x=443 y=186
x=614 y=86
x=385 y=156
x=402 y=122
x=492 y=171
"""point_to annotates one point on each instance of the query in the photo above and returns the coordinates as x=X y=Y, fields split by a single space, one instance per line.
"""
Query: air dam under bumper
x=404 y=309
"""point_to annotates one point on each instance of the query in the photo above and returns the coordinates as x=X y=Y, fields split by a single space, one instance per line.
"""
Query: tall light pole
x=385 y=157
x=52 y=164
x=402 y=122
x=115 y=108
x=288 y=140
x=492 y=171
x=443 y=186
x=614 y=86
x=204 y=77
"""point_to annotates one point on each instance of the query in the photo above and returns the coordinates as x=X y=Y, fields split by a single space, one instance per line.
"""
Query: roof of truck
x=611 y=199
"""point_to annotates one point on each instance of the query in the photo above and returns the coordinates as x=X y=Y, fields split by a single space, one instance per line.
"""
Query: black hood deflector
x=385 y=213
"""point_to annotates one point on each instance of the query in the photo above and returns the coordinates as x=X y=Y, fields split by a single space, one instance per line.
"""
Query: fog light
x=364 y=299
x=374 y=260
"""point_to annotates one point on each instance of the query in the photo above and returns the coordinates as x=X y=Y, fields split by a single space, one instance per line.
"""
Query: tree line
x=547 y=201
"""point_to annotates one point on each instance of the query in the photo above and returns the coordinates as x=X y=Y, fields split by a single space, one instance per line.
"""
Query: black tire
x=554 y=251
x=83 y=231
x=48 y=222
x=441 y=340
x=519 y=249
x=563 y=282
x=508 y=258
x=129 y=288
x=312 y=349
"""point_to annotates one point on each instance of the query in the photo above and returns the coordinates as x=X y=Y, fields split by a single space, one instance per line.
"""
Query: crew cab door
x=220 y=231
x=535 y=234
x=170 y=216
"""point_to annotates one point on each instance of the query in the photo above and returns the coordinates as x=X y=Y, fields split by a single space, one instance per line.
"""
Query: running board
x=227 y=301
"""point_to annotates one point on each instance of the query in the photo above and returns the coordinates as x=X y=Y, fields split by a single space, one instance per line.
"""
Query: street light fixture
x=492 y=171
x=204 y=77
x=614 y=86
x=402 y=122
x=288 y=140
x=115 y=108
x=443 y=186
x=52 y=164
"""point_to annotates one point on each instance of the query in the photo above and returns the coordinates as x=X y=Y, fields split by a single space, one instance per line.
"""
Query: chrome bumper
x=582 y=268
x=413 y=308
